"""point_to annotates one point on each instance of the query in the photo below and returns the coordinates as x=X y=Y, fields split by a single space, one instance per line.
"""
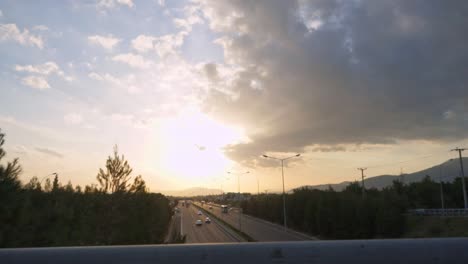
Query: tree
x=47 y=185
x=9 y=188
x=139 y=185
x=116 y=175
x=33 y=184
x=55 y=184
x=8 y=173
x=69 y=187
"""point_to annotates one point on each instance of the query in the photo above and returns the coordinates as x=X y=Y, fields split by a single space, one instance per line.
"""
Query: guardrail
x=440 y=212
x=424 y=251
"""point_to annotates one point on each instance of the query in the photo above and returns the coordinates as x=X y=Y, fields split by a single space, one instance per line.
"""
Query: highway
x=258 y=229
x=207 y=233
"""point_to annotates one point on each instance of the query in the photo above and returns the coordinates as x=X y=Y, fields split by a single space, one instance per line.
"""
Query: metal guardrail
x=440 y=212
x=424 y=251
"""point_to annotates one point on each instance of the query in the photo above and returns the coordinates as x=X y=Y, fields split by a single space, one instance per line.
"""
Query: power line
x=399 y=162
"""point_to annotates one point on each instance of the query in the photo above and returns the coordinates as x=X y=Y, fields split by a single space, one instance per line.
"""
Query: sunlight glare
x=192 y=145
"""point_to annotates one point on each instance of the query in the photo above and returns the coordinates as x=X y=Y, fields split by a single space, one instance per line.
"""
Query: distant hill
x=450 y=170
x=192 y=192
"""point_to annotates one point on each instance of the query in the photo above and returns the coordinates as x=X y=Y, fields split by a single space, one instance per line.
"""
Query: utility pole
x=402 y=176
x=441 y=189
x=284 y=197
x=258 y=186
x=362 y=179
x=462 y=174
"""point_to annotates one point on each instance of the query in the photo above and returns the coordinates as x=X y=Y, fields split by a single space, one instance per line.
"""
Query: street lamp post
x=258 y=186
x=282 y=176
x=53 y=173
x=238 y=195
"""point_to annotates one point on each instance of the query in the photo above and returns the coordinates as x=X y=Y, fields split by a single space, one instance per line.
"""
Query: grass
x=436 y=226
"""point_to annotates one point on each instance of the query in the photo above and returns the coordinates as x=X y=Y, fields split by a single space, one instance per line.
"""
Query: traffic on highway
x=198 y=227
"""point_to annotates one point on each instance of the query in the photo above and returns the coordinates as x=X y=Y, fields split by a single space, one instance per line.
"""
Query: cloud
x=192 y=16
x=449 y=114
x=134 y=90
x=339 y=72
x=37 y=82
x=34 y=129
x=1 y=13
x=128 y=3
x=10 y=32
x=40 y=28
x=20 y=149
x=107 y=42
x=337 y=148
x=128 y=81
x=106 y=77
x=161 y=2
x=143 y=43
x=73 y=119
x=46 y=69
x=133 y=60
x=121 y=117
x=211 y=71
x=163 y=45
x=114 y=3
x=49 y=152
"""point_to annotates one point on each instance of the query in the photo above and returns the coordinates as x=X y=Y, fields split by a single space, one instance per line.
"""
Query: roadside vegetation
x=350 y=215
x=435 y=226
x=115 y=211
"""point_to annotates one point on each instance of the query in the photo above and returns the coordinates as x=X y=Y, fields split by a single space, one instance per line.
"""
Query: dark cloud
x=49 y=152
x=342 y=72
x=211 y=72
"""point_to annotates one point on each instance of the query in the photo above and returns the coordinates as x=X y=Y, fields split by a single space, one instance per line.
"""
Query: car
x=207 y=220
x=198 y=222
x=199 y=213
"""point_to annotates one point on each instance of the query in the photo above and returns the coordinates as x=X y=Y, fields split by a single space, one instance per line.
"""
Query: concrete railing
x=440 y=212
x=424 y=251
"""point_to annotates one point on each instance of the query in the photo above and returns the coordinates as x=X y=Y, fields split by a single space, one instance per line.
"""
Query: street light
x=282 y=176
x=238 y=194
x=258 y=185
x=53 y=173
x=238 y=179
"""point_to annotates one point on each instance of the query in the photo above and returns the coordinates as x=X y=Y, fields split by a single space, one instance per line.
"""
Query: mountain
x=192 y=192
x=449 y=171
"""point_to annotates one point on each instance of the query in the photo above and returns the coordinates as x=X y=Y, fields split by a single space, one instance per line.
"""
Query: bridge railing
x=424 y=251
x=440 y=212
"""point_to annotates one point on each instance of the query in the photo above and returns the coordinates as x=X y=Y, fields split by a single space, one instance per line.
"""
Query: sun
x=192 y=145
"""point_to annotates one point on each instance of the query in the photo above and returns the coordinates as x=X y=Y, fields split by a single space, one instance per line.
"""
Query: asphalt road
x=258 y=229
x=206 y=233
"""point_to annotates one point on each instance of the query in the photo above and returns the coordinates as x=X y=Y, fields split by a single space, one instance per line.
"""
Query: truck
x=224 y=209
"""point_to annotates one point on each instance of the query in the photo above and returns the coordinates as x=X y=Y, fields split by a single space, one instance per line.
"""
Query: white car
x=198 y=222
x=207 y=220
x=199 y=213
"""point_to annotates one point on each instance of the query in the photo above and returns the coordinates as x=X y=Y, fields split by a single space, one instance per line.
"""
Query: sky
x=190 y=90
